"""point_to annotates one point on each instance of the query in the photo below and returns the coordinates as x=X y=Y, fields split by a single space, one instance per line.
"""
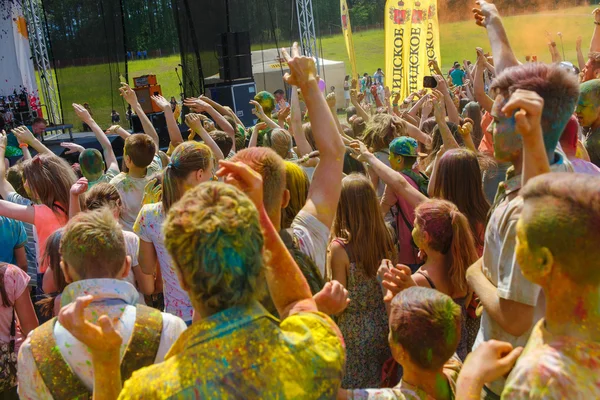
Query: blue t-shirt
x=457 y=76
x=12 y=236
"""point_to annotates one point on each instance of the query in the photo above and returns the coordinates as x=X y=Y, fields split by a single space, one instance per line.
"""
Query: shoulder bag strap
x=61 y=381
x=145 y=340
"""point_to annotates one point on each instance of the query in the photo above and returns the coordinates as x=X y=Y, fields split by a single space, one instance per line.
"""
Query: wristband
x=395 y=105
x=597 y=23
x=23 y=145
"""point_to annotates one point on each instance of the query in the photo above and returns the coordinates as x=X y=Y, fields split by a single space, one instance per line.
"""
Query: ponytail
x=450 y=235
x=463 y=252
x=186 y=158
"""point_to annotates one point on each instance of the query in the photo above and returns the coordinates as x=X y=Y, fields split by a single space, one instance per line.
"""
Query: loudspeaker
x=237 y=97
x=235 y=59
x=160 y=124
x=143 y=95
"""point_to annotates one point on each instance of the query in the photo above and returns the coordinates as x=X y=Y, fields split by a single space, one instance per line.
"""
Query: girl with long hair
x=444 y=238
x=297 y=184
x=50 y=305
x=458 y=179
x=17 y=319
x=191 y=164
x=362 y=240
x=48 y=180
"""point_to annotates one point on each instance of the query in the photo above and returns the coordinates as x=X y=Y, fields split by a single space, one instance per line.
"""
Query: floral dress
x=364 y=325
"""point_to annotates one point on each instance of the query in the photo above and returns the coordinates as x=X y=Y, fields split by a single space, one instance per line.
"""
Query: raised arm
x=288 y=287
x=175 y=137
x=392 y=179
x=447 y=138
x=487 y=16
x=595 y=43
x=302 y=144
x=326 y=185
x=260 y=114
x=24 y=135
x=78 y=188
x=451 y=110
x=109 y=154
x=131 y=98
x=199 y=105
x=194 y=121
x=481 y=96
x=359 y=110
x=528 y=106
x=5 y=186
x=580 y=57
x=222 y=110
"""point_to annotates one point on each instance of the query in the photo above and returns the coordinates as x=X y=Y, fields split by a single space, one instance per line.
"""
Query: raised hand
x=244 y=178
x=261 y=126
x=196 y=104
x=578 y=43
x=284 y=114
x=442 y=84
x=485 y=13
x=161 y=102
x=466 y=128
x=596 y=14
x=152 y=192
x=360 y=150
x=258 y=110
x=3 y=139
x=528 y=106
x=113 y=129
x=128 y=94
x=79 y=187
x=23 y=135
x=353 y=83
x=332 y=299
x=437 y=99
x=194 y=121
x=72 y=148
x=82 y=113
x=331 y=100
x=426 y=108
x=302 y=69
x=102 y=339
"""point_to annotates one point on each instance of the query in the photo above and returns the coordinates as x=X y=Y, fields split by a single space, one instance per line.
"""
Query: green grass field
x=458 y=42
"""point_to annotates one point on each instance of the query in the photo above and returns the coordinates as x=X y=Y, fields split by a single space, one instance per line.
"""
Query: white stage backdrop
x=16 y=65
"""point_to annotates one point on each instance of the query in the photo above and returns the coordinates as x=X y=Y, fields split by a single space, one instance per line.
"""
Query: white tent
x=267 y=70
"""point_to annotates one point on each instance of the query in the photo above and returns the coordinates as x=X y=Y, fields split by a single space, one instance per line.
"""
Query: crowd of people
x=440 y=247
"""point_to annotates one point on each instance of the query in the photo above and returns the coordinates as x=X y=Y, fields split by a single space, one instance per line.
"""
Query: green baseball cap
x=404 y=146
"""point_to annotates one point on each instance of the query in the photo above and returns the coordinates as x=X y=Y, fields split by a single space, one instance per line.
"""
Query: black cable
x=46 y=33
x=112 y=102
x=317 y=23
x=276 y=43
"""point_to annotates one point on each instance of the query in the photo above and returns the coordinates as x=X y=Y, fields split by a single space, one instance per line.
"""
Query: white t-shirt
x=313 y=237
x=149 y=228
x=131 y=191
x=500 y=266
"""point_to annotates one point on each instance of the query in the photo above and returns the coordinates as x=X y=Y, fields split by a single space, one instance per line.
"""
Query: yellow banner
x=397 y=26
x=347 y=30
x=411 y=40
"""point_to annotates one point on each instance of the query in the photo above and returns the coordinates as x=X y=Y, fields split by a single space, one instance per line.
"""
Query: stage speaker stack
x=235 y=58
x=144 y=87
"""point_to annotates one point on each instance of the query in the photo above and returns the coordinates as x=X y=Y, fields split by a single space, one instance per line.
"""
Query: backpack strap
x=143 y=346
x=59 y=378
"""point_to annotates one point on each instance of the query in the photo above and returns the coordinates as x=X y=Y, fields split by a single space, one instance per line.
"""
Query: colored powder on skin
x=442 y=388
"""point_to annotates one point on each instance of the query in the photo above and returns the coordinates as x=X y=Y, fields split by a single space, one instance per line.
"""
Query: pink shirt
x=584 y=167
x=46 y=222
x=15 y=283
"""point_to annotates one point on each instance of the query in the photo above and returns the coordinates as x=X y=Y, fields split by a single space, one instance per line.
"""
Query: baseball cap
x=404 y=146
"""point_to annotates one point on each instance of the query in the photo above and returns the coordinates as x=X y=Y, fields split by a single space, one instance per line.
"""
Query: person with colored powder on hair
x=90 y=160
x=216 y=235
x=543 y=96
x=570 y=143
x=588 y=115
x=591 y=70
x=562 y=355
x=424 y=334
x=52 y=363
